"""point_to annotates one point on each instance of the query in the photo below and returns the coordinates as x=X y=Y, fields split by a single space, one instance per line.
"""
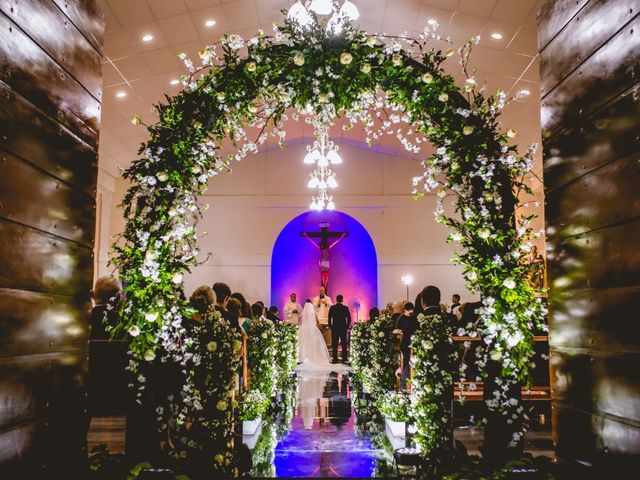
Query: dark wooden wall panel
x=50 y=90
x=590 y=85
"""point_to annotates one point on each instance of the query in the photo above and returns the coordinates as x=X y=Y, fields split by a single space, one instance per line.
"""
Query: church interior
x=79 y=82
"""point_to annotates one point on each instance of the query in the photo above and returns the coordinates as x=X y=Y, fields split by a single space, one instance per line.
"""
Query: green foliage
x=395 y=406
x=286 y=353
x=253 y=405
x=261 y=356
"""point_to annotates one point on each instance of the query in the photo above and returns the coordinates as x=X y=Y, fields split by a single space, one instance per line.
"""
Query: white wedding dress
x=312 y=349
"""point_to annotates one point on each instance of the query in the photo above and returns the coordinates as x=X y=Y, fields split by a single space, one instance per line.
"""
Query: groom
x=339 y=323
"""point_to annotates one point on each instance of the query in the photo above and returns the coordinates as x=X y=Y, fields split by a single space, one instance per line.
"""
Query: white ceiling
x=144 y=70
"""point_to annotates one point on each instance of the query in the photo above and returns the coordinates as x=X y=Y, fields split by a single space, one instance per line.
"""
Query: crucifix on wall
x=324 y=246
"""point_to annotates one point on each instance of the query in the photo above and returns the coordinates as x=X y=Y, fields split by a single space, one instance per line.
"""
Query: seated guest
x=273 y=314
x=469 y=314
x=374 y=314
x=203 y=299
x=406 y=313
x=107 y=295
x=455 y=305
x=257 y=311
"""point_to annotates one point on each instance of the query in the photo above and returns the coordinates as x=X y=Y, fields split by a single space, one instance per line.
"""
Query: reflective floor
x=325 y=438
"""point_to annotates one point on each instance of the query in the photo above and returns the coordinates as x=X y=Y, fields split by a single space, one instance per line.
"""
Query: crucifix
x=324 y=246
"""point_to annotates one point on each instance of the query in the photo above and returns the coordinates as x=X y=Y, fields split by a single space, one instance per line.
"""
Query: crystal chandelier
x=322 y=153
x=299 y=13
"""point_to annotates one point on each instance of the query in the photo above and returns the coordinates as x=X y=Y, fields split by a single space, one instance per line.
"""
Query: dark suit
x=339 y=322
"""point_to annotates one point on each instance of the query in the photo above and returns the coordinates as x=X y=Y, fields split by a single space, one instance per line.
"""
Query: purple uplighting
x=354 y=266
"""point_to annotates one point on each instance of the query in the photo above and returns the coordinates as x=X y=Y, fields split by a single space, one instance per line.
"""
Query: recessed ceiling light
x=210 y=23
x=121 y=94
x=147 y=38
x=496 y=36
x=174 y=82
x=524 y=92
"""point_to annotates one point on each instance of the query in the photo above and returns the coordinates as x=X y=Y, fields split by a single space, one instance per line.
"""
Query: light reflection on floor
x=324 y=440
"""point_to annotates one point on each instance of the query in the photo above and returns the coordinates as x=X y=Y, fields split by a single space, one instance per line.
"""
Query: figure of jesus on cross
x=324 y=246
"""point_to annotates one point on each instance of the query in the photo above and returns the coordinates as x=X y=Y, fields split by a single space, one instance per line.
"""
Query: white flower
x=365 y=67
x=212 y=346
x=484 y=233
x=235 y=42
x=467 y=130
x=323 y=97
x=496 y=355
x=472 y=276
x=221 y=96
x=346 y=58
x=151 y=317
x=443 y=97
x=149 y=356
x=251 y=66
x=137 y=119
x=381 y=334
x=134 y=331
x=396 y=60
x=511 y=133
x=509 y=283
x=371 y=40
x=441 y=193
x=456 y=236
x=298 y=58
x=427 y=78
x=162 y=176
x=222 y=405
x=177 y=278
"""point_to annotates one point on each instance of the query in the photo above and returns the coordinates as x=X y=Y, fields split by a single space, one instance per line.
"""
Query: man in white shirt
x=292 y=310
x=321 y=304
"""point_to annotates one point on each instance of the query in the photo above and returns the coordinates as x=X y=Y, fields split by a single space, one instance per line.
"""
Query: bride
x=312 y=348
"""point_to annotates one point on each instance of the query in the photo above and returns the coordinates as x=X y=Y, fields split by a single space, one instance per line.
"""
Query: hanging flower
x=137 y=119
x=298 y=58
x=196 y=169
x=365 y=67
x=443 y=97
x=134 y=331
x=162 y=176
x=427 y=78
x=346 y=58
x=176 y=279
x=371 y=41
x=456 y=236
x=472 y=276
x=251 y=66
x=212 y=346
x=510 y=283
x=511 y=133
x=467 y=130
x=151 y=317
x=469 y=85
x=496 y=355
x=441 y=193
x=149 y=356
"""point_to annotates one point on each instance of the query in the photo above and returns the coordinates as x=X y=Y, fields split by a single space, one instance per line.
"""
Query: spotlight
x=121 y=94
x=496 y=36
x=210 y=23
x=174 y=81
x=147 y=38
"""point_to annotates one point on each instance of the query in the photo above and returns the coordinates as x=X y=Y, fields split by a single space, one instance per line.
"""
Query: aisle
x=326 y=437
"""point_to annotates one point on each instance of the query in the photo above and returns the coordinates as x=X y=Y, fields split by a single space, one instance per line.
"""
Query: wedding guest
x=321 y=304
x=417 y=306
x=107 y=295
x=234 y=308
x=202 y=299
x=292 y=310
x=257 y=311
x=273 y=314
x=374 y=314
x=455 y=304
x=223 y=294
x=406 y=314
x=396 y=311
x=243 y=301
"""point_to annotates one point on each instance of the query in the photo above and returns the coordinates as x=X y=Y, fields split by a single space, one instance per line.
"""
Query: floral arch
x=321 y=74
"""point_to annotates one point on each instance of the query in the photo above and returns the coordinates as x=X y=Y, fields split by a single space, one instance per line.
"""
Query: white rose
x=251 y=66
x=162 y=176
x=222 y=405
x=381 y=334
x=443 y=97
x=137 y=119
x=427 y=78
x=323 y=97
x=441 y=193
x=346 y=58
x=221 y=96
x=134 y=331
x=371 y=40
x=473 y=276
x=177 y=278
x=151 y=317
x=196 y=169
x=511 y=133
x=149 y=356
x=298 y=58
x=467 y=130
x=365 y=67
x=510 y=283
x=496 y=355
x=212 y=346
x=484 y=233
x=456 y=236
x=396 y=60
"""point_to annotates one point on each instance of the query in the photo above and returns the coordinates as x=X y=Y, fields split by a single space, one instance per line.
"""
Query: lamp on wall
x=407 y=280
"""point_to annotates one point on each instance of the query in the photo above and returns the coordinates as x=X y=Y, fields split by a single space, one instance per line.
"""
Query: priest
x=292 y=310
x=321 y=304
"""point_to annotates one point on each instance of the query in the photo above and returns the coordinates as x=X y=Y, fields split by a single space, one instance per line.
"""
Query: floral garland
x=433 y=359
x=261 y=356
x=395 y=406
x=286 y=353
x=359 y=350
x=252 y=405
x=321 y=75
x=380 y=377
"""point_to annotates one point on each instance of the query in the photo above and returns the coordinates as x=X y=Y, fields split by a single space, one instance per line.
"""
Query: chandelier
x=322 y=153
x=299 y=13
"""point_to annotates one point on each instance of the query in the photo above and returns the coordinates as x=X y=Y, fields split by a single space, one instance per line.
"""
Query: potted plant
x=253 y=405
x=396 y=409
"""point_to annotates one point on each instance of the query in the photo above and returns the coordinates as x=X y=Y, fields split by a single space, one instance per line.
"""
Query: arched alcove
x=354 y=265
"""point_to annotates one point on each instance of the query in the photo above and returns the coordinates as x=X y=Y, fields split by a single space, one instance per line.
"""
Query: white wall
x=250 y=207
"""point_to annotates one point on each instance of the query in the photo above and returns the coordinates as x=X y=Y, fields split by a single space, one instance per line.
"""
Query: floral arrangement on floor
x=261 y=356
x=395 y=406
x=318 y=74
x=433 y=360
x=253 y=405
x=286 y=353
x=380 y=376
x=359 y=350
